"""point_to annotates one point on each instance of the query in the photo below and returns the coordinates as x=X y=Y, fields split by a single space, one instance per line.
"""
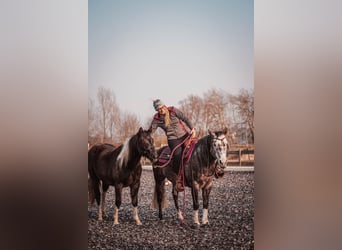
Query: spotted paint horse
x=208 y=158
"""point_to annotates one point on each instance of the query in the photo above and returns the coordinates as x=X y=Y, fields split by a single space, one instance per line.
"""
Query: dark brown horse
x=209 y=157
x=119 y=167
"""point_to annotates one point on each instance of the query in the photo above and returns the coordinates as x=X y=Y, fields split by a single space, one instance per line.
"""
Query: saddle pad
x=164 y=156
x=166 y=153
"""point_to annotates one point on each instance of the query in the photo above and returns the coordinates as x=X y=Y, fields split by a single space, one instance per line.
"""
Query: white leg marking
x=196 y=221
x=180 y=215
x=116 y=216
x=99 y=212
x=205 y=216
x=136 y=216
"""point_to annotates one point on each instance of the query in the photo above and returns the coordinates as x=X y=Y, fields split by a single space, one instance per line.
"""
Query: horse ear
x=225 y=130
x=210 y=133
x=140 y=130
x=149 y=130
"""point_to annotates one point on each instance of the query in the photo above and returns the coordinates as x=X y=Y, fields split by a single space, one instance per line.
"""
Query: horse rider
x=173 y=122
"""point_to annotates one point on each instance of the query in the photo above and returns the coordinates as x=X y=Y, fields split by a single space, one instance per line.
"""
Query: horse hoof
x=205 y=225
x=195 y=226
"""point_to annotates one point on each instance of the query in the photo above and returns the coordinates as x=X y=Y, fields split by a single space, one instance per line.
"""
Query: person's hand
x=193 y=133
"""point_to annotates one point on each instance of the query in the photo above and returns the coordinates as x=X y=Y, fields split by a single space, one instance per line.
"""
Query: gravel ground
x=231 y=219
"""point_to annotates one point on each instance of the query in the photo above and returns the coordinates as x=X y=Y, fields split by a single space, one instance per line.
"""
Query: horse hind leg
x=102 y=201
x=134 y=197
x=159 y=201
x=175 y=198
x=91 y=194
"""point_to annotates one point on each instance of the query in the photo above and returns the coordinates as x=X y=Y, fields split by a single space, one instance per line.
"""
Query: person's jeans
x=178 y=153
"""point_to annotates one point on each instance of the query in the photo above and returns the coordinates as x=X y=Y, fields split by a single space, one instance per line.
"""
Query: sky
x=148 y=49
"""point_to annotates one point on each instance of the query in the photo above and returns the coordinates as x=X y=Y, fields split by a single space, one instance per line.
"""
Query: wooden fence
x=241 y=157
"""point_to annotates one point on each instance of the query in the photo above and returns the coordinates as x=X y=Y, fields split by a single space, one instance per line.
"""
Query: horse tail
x=93 y=180
x=164 y=203
x=91 y=194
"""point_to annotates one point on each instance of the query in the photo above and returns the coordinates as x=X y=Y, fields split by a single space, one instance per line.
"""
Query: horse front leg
x=118 y=191
x=175 y=198
x=134 y=197
x=205 y=197
x=194 y=192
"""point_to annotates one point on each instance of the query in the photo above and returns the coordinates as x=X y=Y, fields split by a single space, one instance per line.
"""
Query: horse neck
x=134 y=155
x=129 y=155
x=204 y=147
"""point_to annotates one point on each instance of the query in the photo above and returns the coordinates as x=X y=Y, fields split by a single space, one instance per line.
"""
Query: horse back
x=103 y=163
x=100 y=159
x=99 y=150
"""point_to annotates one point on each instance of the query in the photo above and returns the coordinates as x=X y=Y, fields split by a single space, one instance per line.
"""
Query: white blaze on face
x=220 y=148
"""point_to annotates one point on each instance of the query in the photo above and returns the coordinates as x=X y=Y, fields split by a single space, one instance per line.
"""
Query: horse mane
x=204 y=141
x=203 y=144
x=124 y=153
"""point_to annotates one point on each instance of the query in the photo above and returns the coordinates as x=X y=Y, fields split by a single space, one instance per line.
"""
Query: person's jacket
x=176 y=128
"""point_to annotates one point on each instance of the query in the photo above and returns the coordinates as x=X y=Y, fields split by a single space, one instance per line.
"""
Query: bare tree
x=93 y=121
x=192 y=108
x=215 y=109
x=129 y=125
x=207 y=112
x=243 y=104
x=108 y=110
x=114 y=120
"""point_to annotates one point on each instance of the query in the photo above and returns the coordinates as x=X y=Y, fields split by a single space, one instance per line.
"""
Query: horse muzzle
x=219 y=173
x=222 y=164
x=153 y=157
